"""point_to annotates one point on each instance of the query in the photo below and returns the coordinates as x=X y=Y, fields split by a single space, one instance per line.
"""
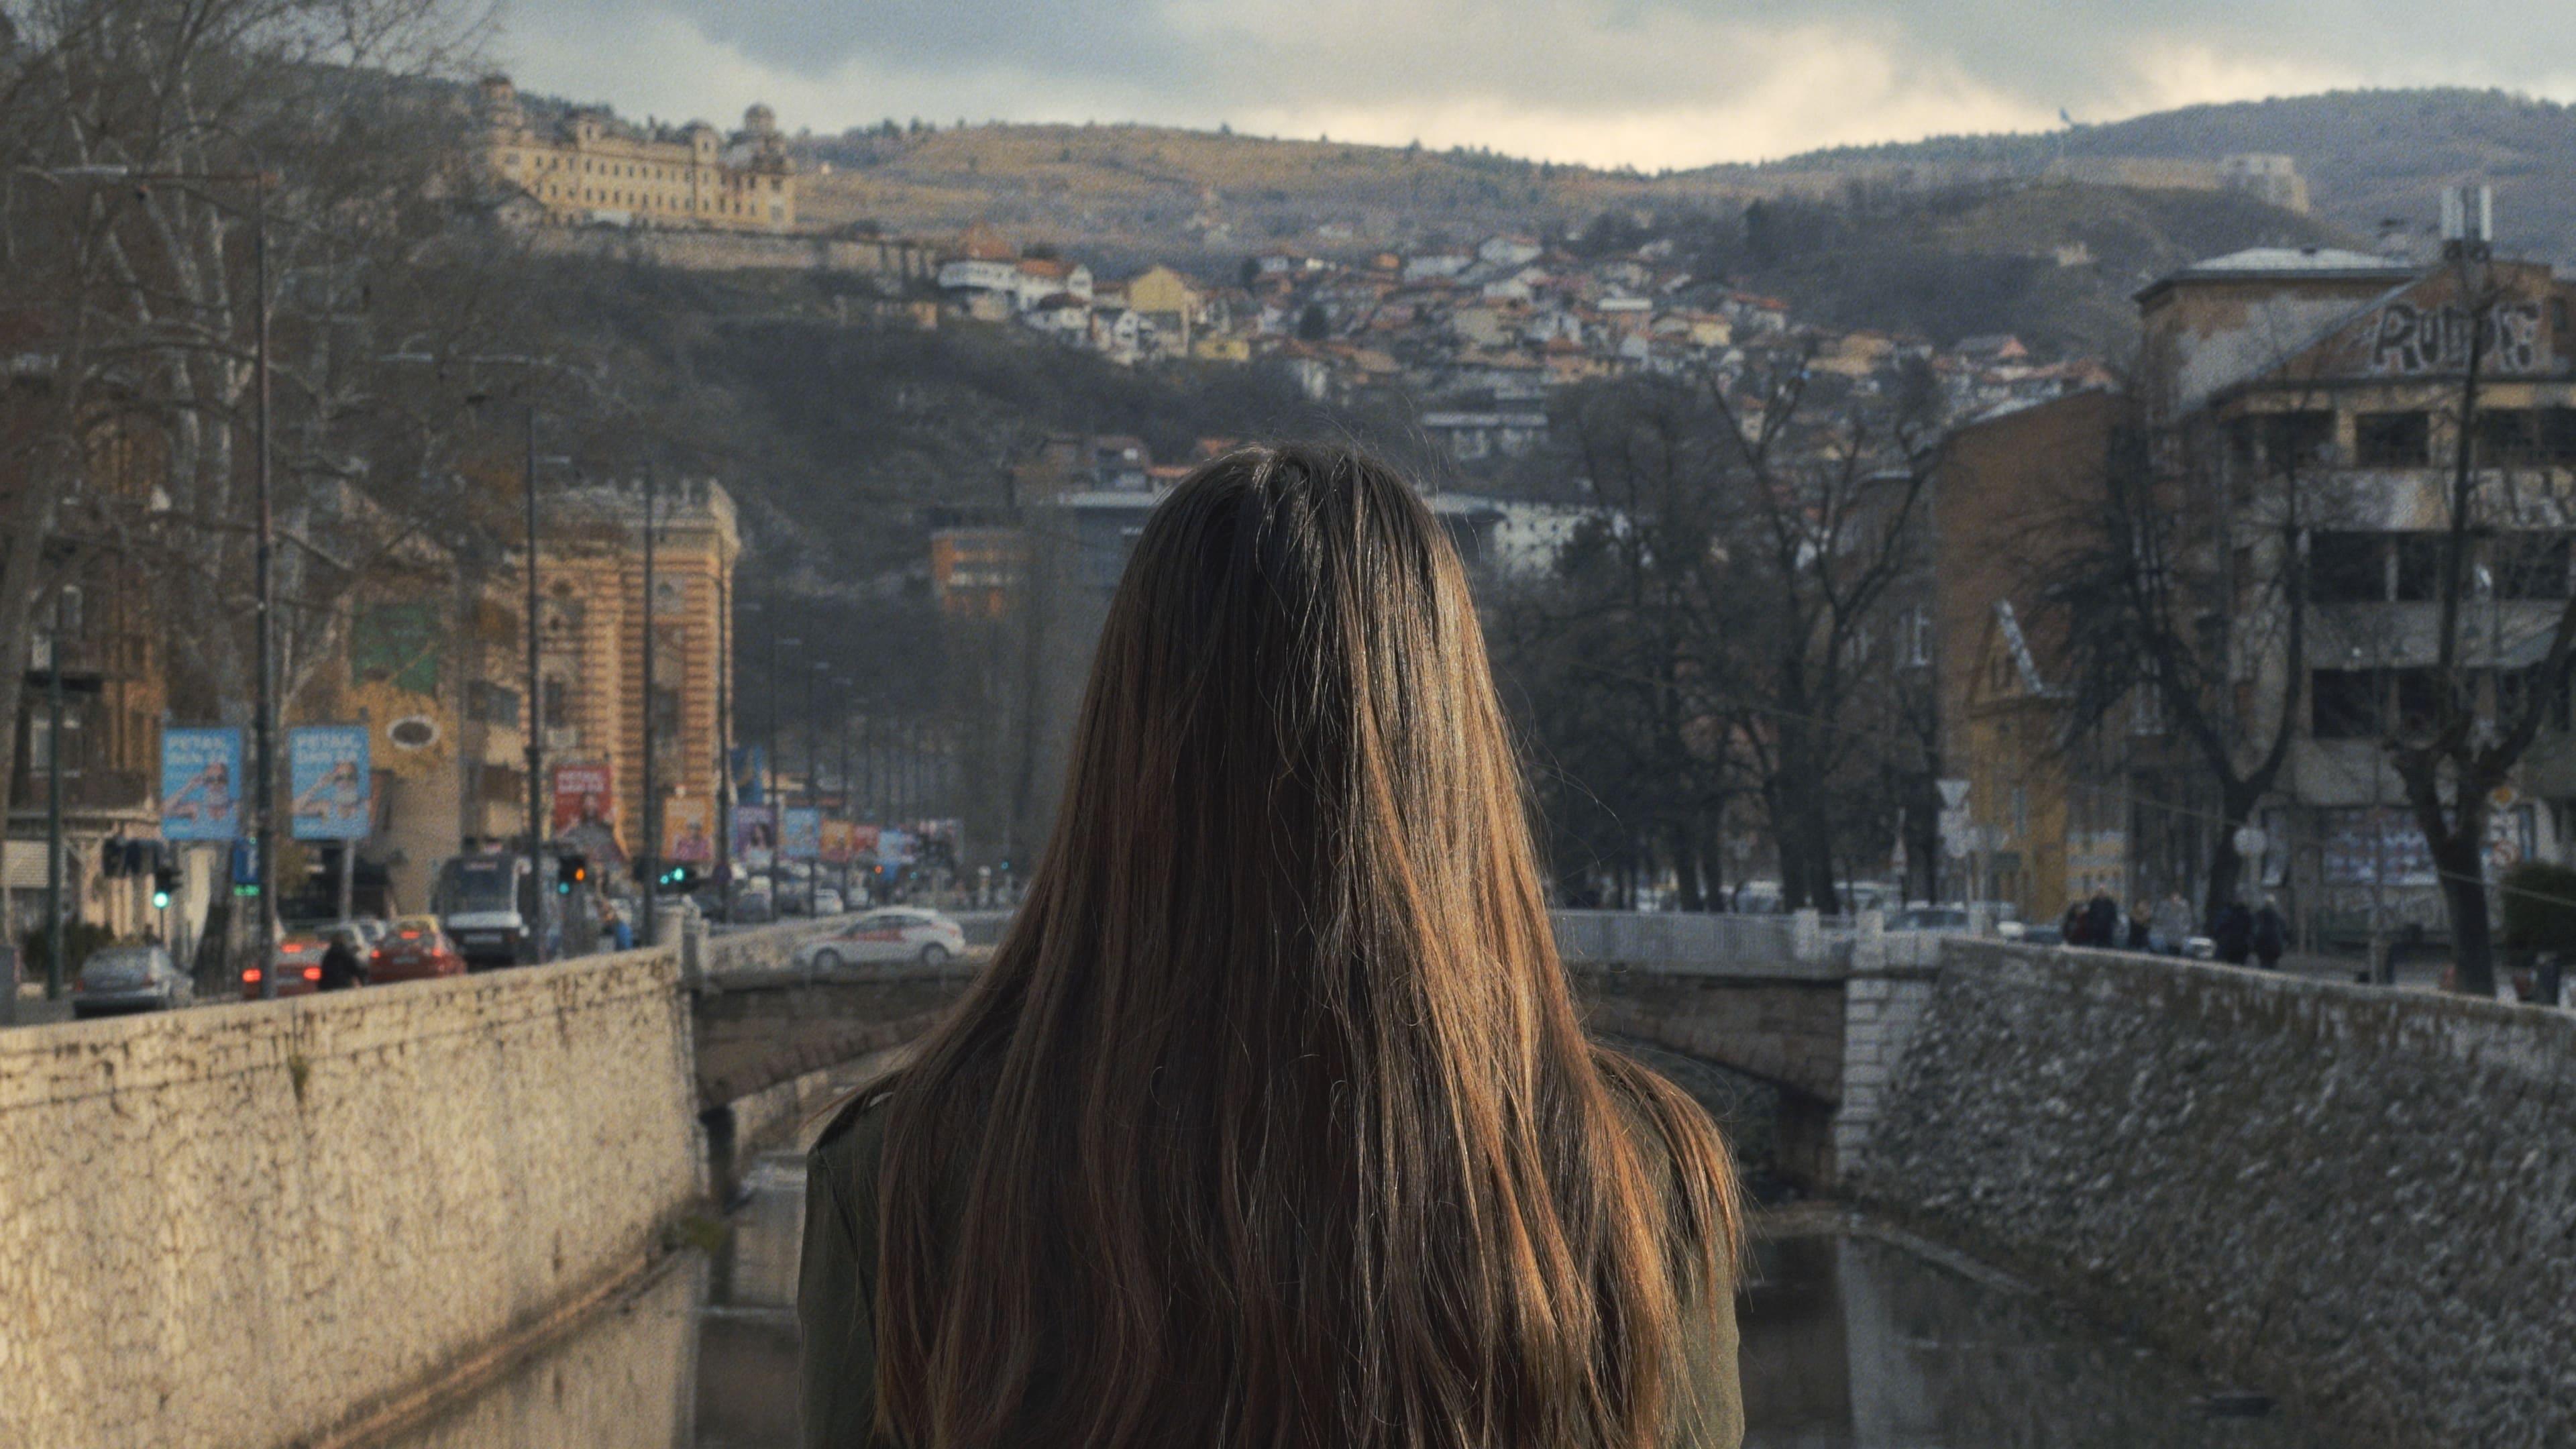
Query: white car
x=896 y=933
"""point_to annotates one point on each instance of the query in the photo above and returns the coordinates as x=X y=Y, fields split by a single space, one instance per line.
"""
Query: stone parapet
x=255 y=1224
x=2356 y=1198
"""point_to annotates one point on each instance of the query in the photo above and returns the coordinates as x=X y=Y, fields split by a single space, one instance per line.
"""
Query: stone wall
x=239 y=1226
x=2360 y=1200
x=1787 y=1033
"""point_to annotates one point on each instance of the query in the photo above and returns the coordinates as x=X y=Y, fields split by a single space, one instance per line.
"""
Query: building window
x=40 y=740
x=558 y=704
x=2346 y=704
x=2419 y=566
x=2531 y=565
x=2419 y=699
x=666 y=718
x=2392 y=440
x=2296 y=439
x=2347 y=568
x=2507 y=436
x=1918 y=637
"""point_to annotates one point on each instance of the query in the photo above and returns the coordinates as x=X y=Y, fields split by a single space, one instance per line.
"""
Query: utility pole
x=724 y=734
x=652 y=842
x=777 y=807
x=54 y=806
x=265 y=726
x=532 y=717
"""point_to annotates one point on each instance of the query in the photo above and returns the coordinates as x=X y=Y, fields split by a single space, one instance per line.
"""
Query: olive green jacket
x=836 y=1305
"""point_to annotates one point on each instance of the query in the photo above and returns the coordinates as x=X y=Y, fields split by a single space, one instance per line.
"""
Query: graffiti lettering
x=2412 y=339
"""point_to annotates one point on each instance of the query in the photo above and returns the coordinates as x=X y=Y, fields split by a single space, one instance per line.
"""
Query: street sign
x=1954 y=793
x=2250 y=840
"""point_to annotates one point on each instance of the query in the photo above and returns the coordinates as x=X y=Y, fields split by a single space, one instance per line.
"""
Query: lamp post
x=652 y=842
x=53 y=806
x=724 y=735
x=777 y=807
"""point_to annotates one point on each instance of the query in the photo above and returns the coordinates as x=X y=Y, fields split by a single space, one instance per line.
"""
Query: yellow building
x=2050 y=830
x=591 y=639
x=594 y=168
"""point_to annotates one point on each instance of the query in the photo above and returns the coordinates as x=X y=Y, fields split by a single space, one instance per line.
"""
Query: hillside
x=2368 y=155
x=1207 y=199
x=2055 y=264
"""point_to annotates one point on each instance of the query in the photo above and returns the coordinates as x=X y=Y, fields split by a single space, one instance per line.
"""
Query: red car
x=414 y=950
x=299 y=966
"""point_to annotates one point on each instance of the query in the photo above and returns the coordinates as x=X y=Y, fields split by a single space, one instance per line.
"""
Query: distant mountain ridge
x=2369 y=156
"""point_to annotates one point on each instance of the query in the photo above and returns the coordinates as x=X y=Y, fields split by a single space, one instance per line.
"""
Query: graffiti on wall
x=2412 y=339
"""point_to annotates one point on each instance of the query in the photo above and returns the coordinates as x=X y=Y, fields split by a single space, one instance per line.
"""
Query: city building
x=591 y=634
x=592 y=168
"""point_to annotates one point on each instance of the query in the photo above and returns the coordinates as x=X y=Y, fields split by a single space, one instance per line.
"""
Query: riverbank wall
x=2360 y=1200
x=257 y=1224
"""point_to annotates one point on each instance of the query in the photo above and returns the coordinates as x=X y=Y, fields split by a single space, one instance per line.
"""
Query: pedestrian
x=1188 y=1166
x=2102 y=920
x=2271 y=936
x=2233 y=933
x=2172 y=932
x=340 y=968
x=2071 y=929
x=2142 y=926
x=613 y=921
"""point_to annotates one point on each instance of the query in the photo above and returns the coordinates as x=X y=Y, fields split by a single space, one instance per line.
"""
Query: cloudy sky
x=1648 y=82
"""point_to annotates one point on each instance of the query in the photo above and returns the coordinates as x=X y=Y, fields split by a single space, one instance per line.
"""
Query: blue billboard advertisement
x=328 y=767
x=200 y=784
x=800 y=832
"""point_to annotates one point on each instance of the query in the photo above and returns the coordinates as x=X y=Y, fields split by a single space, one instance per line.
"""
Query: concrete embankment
x=255 y=1225
x=2361 y=1200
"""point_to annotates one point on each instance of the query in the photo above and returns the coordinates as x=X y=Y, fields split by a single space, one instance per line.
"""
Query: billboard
x=863 y=841
x=200 y=784
x=755 y=837
x=894 y=847
x=327 y=766
x=584 y=795
x=689 y=831
x=836 y=842
x=800 y=832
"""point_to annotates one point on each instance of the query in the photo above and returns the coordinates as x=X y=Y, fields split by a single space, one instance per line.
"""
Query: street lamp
x=264 y=707
x=777 y=807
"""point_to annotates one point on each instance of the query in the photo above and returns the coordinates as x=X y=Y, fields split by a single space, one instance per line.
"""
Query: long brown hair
x=1272 y=1122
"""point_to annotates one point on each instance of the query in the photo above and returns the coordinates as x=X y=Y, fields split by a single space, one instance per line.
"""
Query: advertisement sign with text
x=836 y=842
x=200 y=784
x=584 y=795
x=333 y=790
x=689 y=831
x=800 y=833
x=755 y=837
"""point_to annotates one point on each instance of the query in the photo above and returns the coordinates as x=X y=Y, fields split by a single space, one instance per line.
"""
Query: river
x=1851 y=1340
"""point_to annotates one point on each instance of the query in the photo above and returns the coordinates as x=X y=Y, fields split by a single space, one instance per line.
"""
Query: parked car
x=897 y=933
x=130 y=978
x=1944 y=920
x=827 y=902
x=414 y=948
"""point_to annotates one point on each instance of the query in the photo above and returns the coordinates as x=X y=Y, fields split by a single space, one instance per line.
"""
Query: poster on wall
x=800 y=833
x=755 y=837
x=836 y=842
x=689 y=831
x=200 y=784
x=333 y=787
x=584 y=796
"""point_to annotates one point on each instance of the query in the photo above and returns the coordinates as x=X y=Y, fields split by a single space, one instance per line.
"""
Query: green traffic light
x=160 y=900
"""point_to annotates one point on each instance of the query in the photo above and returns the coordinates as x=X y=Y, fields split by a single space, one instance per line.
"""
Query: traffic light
x=165 y=884
x=570 y=871
x=681 y=878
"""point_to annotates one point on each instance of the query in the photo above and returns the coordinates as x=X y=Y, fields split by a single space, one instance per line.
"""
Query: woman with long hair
x=1272 y=1122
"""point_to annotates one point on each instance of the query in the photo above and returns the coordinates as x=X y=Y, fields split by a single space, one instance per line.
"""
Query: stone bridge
x=1778 y=998
x=2359 y=1200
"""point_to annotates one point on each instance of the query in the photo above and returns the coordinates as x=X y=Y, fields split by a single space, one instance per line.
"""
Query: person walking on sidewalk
x=2271 y=935
x=2171 y=933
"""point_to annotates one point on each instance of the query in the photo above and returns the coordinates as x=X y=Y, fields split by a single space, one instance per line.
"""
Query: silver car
x=130 y=978
x=897 y=933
